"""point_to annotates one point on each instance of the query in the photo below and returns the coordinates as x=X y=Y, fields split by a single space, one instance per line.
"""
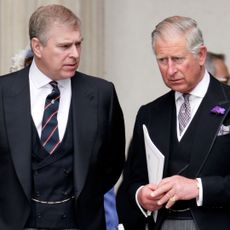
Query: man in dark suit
x=190 y=125
x=58 y=183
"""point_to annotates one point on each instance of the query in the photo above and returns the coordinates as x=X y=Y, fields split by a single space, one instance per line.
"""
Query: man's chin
x=69 y=74
x=178 y=88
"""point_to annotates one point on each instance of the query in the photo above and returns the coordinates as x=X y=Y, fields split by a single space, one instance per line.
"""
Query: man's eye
x=78 y=43
x=178 y=60
x=163 y=61
x=65 y=46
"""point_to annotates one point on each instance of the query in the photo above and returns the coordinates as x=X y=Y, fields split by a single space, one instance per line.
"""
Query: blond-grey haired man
x=62 y=133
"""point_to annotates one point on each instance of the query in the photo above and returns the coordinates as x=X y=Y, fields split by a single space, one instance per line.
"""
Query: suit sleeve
x=114 y=154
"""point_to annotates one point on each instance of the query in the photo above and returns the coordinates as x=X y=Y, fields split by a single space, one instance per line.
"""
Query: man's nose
x=75 y=52
x=172 y=69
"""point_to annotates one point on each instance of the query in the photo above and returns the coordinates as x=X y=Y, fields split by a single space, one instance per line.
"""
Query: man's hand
x=174 y=188
x=146 y=200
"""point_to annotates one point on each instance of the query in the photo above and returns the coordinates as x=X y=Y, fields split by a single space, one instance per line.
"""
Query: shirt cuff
x=145 y=213
x=199 y=199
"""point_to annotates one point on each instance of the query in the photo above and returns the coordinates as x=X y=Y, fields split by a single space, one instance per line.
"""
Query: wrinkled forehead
x=171 y=43
x=60 y=29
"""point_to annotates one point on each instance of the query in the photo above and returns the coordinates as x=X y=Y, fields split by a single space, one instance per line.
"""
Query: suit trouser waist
x=178 y=215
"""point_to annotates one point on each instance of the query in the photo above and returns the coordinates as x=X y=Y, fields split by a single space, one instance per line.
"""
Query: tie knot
x=54 y=84
x=186 y=96
x=55 y=90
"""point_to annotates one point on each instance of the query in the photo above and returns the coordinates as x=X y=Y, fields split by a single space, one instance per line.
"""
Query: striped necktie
x=50 y=136
x=184 y=115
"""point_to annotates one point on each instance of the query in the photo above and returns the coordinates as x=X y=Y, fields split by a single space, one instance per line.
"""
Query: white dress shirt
x=39 y=90
x=196 y=97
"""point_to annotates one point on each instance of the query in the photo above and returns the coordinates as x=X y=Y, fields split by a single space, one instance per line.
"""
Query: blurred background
x=117 y=42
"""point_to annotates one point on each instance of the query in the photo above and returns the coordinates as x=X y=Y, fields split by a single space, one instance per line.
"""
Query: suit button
x=39 y=216
x=64 y=216
x=65 y=193
x=66 y=172
x=37 y=194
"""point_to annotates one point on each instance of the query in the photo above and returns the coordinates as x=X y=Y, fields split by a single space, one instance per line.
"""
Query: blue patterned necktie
x=184 y=115
x=50 y=136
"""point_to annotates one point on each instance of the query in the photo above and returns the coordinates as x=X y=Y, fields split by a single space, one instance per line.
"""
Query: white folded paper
x=155 y=161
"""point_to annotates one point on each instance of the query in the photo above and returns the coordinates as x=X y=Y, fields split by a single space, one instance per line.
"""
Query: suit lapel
x=84 y=101
x=208 y=126
x=18 y=123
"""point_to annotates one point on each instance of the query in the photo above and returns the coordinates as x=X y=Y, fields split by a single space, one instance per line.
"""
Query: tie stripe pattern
x=184 y=113
x=50 y=136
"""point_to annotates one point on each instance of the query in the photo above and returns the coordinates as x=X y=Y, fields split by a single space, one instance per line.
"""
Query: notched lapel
x=18 y=123
x=84 y=102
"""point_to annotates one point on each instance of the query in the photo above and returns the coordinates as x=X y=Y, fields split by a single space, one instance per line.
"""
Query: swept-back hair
x=45 y=16
x=176 y=26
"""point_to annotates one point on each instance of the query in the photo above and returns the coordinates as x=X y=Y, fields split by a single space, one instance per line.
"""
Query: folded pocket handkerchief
x=224 y=130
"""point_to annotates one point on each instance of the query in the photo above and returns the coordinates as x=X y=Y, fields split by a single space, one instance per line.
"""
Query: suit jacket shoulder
x=12 y=83
x=156 y=108
x=91 y=81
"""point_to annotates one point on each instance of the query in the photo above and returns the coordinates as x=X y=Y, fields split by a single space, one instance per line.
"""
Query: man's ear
x=202 y=54
x=36 y=47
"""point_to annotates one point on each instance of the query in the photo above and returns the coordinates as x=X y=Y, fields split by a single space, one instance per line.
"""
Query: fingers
x=145 y=199
x=167 y=190
x=171 y=202
x=176 y=188
x=173 y=199
x=169 y=198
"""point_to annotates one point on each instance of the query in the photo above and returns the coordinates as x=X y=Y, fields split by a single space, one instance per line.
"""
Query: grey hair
x=45 y=16
x=176 y=25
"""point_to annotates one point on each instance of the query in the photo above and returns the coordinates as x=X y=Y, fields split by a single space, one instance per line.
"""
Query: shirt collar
x=40 y=80
x=200 y=89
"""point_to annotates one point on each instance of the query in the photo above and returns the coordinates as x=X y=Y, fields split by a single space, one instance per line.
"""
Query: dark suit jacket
x=98 y=130
x=210 y=155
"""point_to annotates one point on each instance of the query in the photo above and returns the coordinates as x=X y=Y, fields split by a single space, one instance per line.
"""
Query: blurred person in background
x=215 y=64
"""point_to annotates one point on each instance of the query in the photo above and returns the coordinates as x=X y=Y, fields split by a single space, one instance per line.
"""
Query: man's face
x=181 y=70
x=59 y=57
